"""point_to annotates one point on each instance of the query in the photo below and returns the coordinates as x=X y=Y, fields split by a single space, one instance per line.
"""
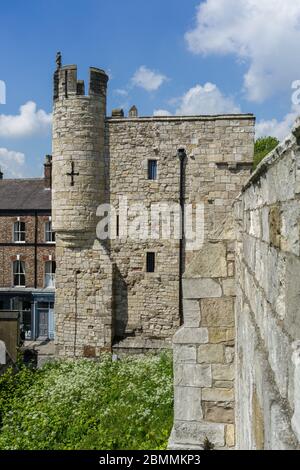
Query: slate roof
x=24 y=194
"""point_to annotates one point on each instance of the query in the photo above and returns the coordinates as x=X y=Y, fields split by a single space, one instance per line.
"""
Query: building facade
x=27 y=253
x=124 y=292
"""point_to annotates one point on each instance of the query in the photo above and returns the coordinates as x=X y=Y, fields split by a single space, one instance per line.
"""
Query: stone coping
x=218 y=117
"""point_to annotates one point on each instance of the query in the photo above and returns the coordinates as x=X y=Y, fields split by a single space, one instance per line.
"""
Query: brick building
x=27 y=252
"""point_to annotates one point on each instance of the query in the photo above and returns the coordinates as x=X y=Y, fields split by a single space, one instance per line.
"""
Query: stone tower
x=84 y=277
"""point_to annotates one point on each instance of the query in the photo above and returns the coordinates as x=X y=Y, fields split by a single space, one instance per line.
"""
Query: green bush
x=262 y=147
x=104 y=405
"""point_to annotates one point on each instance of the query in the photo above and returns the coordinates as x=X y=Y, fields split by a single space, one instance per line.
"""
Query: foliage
x=88 y=405
x=262 y=147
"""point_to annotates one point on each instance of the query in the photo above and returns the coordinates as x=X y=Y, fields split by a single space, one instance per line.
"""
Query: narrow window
x=50 y=268
x=19 y=273
x=150 y=263
x=152 y=169
x=19 y=232
x=118 y=225
x=49 y=234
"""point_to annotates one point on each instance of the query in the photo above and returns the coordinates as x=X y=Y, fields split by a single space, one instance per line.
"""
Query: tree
x=262 y=147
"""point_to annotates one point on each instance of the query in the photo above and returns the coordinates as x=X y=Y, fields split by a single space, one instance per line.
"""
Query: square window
x=150 y=262
x=152 y=169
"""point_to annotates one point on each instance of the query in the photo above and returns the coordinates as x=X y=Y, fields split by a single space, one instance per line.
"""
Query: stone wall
x=267 y=305
x=219 y=157
x=204 y=348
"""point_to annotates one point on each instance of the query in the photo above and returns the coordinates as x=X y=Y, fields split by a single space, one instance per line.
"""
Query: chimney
x=48 y=171
x=1 y=174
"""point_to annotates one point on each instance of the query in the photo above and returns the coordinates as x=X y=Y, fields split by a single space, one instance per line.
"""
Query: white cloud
x=206 y=99
x=29 y=121
x=161 y=112
x=121 y=92
x=264 y=33
x=148 y=79
x=11 y=163
x=275 y=128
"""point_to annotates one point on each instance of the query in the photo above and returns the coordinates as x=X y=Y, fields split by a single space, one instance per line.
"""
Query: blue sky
x=164 y=56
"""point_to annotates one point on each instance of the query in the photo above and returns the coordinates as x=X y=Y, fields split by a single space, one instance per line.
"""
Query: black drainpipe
x=181 y=153
x=35 y=248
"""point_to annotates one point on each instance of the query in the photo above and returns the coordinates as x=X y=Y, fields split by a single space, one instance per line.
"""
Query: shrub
x=262 y=147
x=89 y=405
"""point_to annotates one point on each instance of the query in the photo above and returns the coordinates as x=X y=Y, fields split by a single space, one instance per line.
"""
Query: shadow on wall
x=120 y=306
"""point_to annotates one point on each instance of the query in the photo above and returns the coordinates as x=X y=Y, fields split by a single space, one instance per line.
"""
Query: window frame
x=50 y=274
x=152 y=175
x=18 y=232
x=49 y=232
x=18 y=272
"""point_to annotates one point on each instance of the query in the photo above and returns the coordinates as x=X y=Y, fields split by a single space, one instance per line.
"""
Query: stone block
x=191 y=336
x=184 y=353
x=2 y=352
x=187 y=404
x=218 y=412
x=221 y=335
x=229 y=287
x=217 y=312
x=201 y=289
x=223 y=372
x=223 y=383
x=192 y=375
x=196 y=433
x=275 y=226
x=209 y=262
x=230 y=435
x=257 y=422
x=217 y=394
x=191 y=313
x=210 y=353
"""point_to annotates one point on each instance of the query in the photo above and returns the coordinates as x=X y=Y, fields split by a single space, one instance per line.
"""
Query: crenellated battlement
x=66 y=84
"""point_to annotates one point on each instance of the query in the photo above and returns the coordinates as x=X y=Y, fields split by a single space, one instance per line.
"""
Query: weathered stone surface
x=191 y=313
x=184 y=353
x=218 y=412
x=229 y=288
x=187 y=404
x=221 y=335
x=217 y=312
x=196 y=433
x=211 y=353
x=267 y=303
x=217 y=394
x=210 y=262
x=223 y=371
x=201 y=288
x=230 y=435
x=2 y=352
x=191 y=336
x=296 y=416
x=192 y=375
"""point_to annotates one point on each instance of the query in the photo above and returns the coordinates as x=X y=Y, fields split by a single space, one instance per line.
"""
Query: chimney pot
x=48 y=171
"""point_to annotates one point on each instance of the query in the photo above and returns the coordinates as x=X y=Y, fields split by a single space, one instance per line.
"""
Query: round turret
x=78 y=153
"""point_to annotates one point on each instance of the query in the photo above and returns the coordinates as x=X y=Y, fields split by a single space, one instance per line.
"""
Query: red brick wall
x=8 y=254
